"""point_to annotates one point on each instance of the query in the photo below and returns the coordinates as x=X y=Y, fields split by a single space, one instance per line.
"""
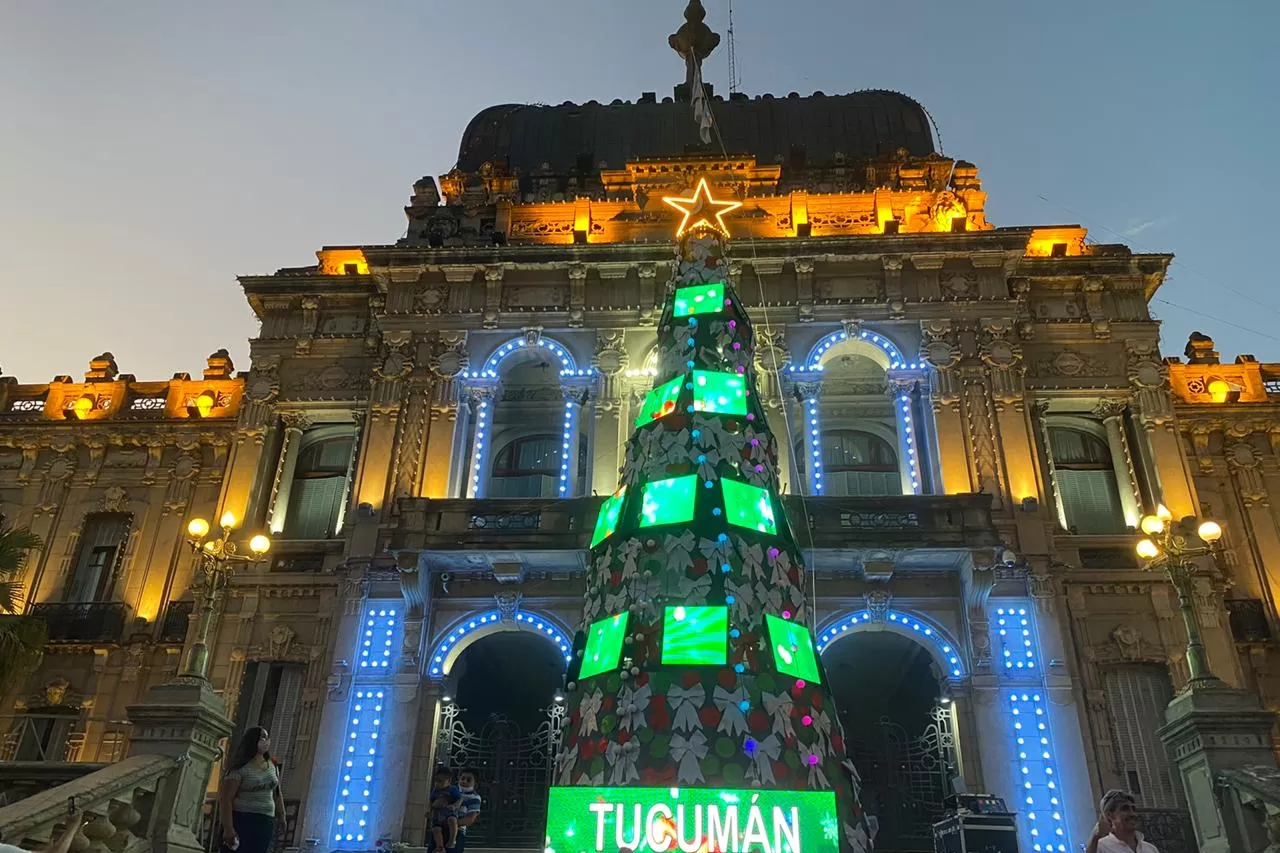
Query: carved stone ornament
x=450 y=357
x=939 y=346
x=281 y=641
x=878 y=601
x=56 y=693
x=116 y=499
x=1069 y=363
x=611 y=355
x=771 y=351
x=396 y=361
x=946 y=208
x=508 y=604
x=262 y=387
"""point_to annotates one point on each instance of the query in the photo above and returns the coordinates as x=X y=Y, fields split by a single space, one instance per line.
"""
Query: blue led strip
x=566 y=450
x=906 y=622
x=488 y=620
x=896 y=359
x=1040 y=798
x=480 y=445
x=356 y=793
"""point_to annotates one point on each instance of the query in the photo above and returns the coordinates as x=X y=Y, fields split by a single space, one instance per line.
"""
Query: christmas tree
x=700 y=717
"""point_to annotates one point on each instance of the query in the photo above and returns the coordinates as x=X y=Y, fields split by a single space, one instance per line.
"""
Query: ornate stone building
x=977 y=416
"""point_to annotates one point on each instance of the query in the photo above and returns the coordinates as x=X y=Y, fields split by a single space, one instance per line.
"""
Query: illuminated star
x=701 y=210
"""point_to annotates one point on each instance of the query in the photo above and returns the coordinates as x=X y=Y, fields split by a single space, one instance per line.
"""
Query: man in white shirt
x=1117 y=831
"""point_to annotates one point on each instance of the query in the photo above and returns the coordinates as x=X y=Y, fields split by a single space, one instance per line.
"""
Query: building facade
x=976 y=419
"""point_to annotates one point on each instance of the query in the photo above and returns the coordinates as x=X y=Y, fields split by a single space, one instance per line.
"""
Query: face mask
x=468 y=790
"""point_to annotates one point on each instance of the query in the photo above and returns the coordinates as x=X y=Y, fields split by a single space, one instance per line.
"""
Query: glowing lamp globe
x=1210 y=531
x=260 y=544
x=1147 y=549
x=1163 y=512
x=1152 y=525
x=228 y=520
x=197 y=528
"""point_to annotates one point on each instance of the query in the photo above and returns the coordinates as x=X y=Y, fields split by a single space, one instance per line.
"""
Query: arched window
x=319 y=486
x=1086 y=480
x=858 y=464
x=527 y=467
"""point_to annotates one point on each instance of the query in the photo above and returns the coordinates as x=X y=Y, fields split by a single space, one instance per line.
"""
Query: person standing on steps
x=250 y=802
x=470 y=811
x=1117 y=830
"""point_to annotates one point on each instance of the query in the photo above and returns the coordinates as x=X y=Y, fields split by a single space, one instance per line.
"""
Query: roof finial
x=694 y=40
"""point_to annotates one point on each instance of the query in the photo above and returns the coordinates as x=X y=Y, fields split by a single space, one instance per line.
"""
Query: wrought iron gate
x=513 y=772
x=905 y=780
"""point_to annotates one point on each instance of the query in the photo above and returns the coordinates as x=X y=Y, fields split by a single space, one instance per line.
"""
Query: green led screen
x=700 y=299
x=604 y=645
x=583 y=819
x=668 y=501
x=748 y=506
x=722 y=393
x=607 y=521
x=660 y=402
x=695 y=636
x=793 y=652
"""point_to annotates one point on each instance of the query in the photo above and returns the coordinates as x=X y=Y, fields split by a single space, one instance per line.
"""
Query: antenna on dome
x=734 y=81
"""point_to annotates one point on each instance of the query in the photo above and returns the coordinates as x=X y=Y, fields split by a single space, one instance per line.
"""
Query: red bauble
x=624 y=736
x=586 y=750
x=837 y=744
x=758 y=721
x=690 y=679
x=727 y=679
x=699 y=567
x=607 y=703
x=709 y=716
x=660 y=720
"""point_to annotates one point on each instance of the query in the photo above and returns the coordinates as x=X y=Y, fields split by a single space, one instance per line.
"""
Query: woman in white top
x=251 y=805
x=1117 y=831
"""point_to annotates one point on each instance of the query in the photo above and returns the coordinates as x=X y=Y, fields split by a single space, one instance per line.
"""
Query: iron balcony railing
x=68 y=738
x=94 y=622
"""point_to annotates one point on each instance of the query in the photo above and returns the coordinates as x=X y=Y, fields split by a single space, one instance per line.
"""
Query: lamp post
x=216 y=559
x=1172 y=548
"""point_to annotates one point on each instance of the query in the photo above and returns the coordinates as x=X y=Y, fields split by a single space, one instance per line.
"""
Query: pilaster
x=1211 y=727
x=186 y=720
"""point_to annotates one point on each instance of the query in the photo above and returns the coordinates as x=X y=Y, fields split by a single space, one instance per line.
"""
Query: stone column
x=901 y=390
x=1211 y=727
x=295 y=425
x=941 y=350
x=184 y=719
x=1111 y=413
x=1153 y=405
x=1055 y=493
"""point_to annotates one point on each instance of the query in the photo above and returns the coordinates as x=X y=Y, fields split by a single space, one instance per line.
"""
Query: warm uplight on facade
x=204 y=404
x=83 y=406
x=342 y=262
x=1219 y=390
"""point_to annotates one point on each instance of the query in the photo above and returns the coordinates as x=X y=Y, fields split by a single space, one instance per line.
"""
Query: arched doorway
x=898 y=725
x=503 y=721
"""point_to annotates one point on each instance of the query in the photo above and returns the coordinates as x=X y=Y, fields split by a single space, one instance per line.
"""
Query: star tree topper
x=701 y=210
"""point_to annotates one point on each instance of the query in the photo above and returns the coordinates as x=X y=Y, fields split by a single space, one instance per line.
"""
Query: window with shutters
x=98 y=557
x=271 y=696
x=319 y=487
x=1086 y=481
x=1136 y=698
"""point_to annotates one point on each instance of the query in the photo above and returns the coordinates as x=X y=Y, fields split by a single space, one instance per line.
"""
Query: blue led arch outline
x=533 y=622
x=490 y=373
x=901 y=404
x=568 y=365
x=908 y=624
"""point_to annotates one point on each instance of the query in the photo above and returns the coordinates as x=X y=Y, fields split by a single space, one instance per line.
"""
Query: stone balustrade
x=117 y=801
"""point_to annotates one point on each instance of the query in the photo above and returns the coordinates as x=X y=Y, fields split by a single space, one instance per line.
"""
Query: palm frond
x=15 y=544
x=22 y=640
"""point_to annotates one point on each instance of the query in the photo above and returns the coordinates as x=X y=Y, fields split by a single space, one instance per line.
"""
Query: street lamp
x=216 y=559
x=1172 y=548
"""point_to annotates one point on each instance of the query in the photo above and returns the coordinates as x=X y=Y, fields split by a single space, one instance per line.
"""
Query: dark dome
x=570 y=136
